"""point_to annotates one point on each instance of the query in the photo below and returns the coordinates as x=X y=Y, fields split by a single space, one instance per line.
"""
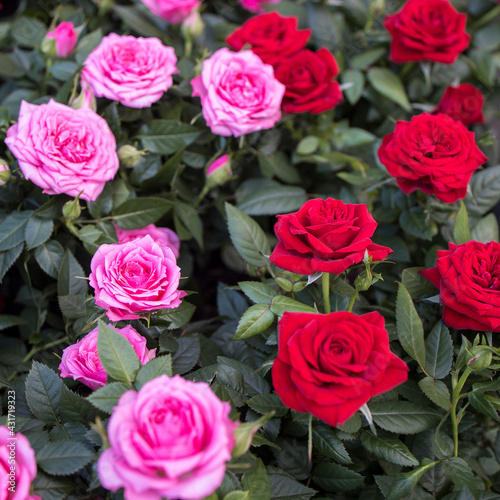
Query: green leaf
x=9 y=68
x=327 y=443
x=254 y=321
x=273 y=200
x=68 y=282
x=257 y=292
x=460 y=473
x=28 y=31
x=8 y=320
x=256 y=482
x=442 y=446
x=415 y=283
x=416 y=221
x=164 y=175
x=116 y=354
x=409 y=326
x=482 y=405
x=367 y=58
x=161 y=365
x=51 y=488
x=336 y=478
x=484 y=189
x=73 y=306
x=187 y=355
x=308 y=145
x=49 y=256
x=12 y=230
x=174 y=318
x=403 y=417
x=281 y=304
x=74 y=408
x=63 y=458
x=106 y=398
x=264 y=403
x=235 y=495
x=191 y=220
x=247 y=236
x=486 y=229
x=285 y=487
x=87 y=44
x=38 y=231
x=357 y=81
x=388 y=448
x=137 y=21
x=63 y=70
x=279 y=165
x=43 y=392
x=461 y=231
x=167 y=136
x=139 y=212
x=389 y=85
x=404 y=484
x=436 y=391
x=8 y=258
x=438 y=351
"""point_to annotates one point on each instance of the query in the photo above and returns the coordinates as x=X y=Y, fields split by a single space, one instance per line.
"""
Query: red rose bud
x=85 y=100
x=433 y=153
x=330 y=365
x=271 y=36
x=463 y=103
x=326 y=236
x=308 y=78
x=4 y=172
x=427 y=30
x=468 y=279
x=61 y=41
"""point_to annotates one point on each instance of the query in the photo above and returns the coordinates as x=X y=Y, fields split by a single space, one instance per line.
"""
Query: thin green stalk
x=325 y=282
x=457 y=388
x=35 y=350
x=310 y=438
x=351 y=303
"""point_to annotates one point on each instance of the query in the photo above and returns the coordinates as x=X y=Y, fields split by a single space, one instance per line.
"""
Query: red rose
x=433 y=153
x=468 y=278
x=331 y=364
x=271 y=36
x=308 y=78
x=427 y=30
x=463 y=103
x=325 y=235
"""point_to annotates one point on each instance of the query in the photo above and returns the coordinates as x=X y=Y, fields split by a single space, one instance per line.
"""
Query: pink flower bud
x=4 y=172
x=220 y=170
x=85 y=100
x=65 y=37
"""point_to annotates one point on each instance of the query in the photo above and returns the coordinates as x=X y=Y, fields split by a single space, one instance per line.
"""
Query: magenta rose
x=15 y=450
x=65 y=38
x=133 y=71
x=173 y=11
x=162 y=235
x=81 y=361
x=239 y=93
x=134 y=278
x=64 y=150
x=171 y=439
x=256 y=5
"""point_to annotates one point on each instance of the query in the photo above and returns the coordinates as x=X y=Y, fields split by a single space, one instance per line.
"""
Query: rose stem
x=457 y=387
x=310 y=438
x=325 y=282
x=351 y=303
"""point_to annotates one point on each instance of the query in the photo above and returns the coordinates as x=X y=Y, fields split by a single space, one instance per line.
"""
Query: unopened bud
x=363 y=281
x=71 y=209
x=4 y=172
x=219 y=171
x=61 y=41
x=192 y=26
x=85 y=100
x=480 y=359
x=129 y=156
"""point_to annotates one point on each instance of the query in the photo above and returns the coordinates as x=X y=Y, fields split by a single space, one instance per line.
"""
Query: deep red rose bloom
x=427 y=30
x=433 y=153
x=468 y=278
x=308 y=77
x=331 y=364
x=463 y=103
x=325 y=235
x=271 y=36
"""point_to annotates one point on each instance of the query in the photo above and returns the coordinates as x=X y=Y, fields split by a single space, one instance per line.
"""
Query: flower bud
x=71 y=209
x=480 y=359
x=85 y=100
x=129 y=156
x=61 y=41
x=219 y=171
x=243 y=434
x=4 y=172
x=192 y=26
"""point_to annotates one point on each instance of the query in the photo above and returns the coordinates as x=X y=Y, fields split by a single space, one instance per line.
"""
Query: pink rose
x=64 y=150
x=256 y=5
x=81 y=362
x=239 y=93
x=135 y=277
x=17 y=447
x=65 y=37
x=133 y=71
x=171 y=439
x=162 y=235
x=173 y=11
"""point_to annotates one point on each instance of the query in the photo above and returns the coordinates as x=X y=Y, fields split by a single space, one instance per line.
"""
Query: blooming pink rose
x=133 y=71
x=256 y=5
x=162 y=235
x=135 y=277
x=171 y=439
x=64 y=150
x=65 y=37
x=173 y=11
x=15 y=447
x=81 y=362
x=239 y=93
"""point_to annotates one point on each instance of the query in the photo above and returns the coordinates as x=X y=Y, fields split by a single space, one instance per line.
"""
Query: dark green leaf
x=230 y=303
x=187 y=355
x=460 y=473
x=264 y=403
x=389 y=85
x=256 y=482
x=161 y=365
x=191 y=220
x=12 y=230
x=336 y=478
x=257 y=292
x=38 y=231
x=254 y=321
x=174 y=318
x=8 y=320
x=164 y=174
x=51 y=488
x=73 y=306
x=137 y=21
x=285 y=487
x=281 y=304
x=461 y=231
x=28 y=31
x=357 y=81
x=167 y=136
x=8 y=258
x=415 y=283
x=63 y=458
x=438 y=351
x=388 y=448
x=482 y=405
x=486 y=229
x=274 y=200
x=87 y=44
x=49 y=256
x=106 y=398
x=139 y=212
x=484 y=190
x=436 y=391
x=73 y=408
x=327 y=443
x=404 y=484
x=416 y=221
